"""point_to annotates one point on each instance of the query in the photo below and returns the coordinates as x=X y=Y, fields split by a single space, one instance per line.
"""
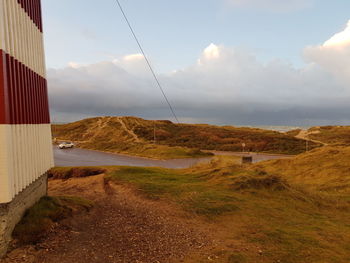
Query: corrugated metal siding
x=25 y=133
x=20 y=38
x=33 y=9
x=25 y=90
x=25 y=155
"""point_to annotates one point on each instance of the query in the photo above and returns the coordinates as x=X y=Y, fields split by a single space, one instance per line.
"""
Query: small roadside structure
x=247 y=159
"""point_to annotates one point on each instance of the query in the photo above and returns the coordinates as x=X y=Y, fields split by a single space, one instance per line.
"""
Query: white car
x=65 y=145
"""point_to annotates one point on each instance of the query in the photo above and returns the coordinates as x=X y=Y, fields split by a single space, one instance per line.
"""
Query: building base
x=11 y=213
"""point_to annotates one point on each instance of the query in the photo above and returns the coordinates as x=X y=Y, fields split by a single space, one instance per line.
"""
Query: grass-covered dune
x=115 y=135
x=324 y=169
x=135 y=136
x=334 y=135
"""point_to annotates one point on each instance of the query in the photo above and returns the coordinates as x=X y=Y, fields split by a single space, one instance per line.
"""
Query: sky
x=235 y=62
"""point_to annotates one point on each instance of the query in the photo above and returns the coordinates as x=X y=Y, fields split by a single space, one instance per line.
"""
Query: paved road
x=82 y=157
x=257 y=157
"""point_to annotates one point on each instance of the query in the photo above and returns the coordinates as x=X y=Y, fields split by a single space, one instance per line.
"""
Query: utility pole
x=154 y=132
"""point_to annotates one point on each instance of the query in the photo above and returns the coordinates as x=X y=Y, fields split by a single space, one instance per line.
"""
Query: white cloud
x=272 y=5
x=333 y=55
x=133 y=57
x=341 y=39
x=212 y=52
x=74 y=65
x=228 y=85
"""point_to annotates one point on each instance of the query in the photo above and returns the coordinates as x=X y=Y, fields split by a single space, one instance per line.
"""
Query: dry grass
x=325 y=169
x=334 y=135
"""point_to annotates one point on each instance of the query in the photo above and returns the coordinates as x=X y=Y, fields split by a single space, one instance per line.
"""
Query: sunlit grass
x=259 y=209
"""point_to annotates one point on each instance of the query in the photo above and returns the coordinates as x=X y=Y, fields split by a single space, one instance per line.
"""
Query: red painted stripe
x=12 y=88
x=33 y=10
x=23 y=93
x=40 y=16
x=4 y=96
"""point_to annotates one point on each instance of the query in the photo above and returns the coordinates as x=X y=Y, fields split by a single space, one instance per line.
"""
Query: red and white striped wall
x=25 y=134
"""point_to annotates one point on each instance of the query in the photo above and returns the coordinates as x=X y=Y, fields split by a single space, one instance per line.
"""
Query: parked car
x=66 y=145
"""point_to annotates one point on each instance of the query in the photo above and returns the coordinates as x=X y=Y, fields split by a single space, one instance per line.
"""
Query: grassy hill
x=324 y=169
x=113 y=134
x=327 y=135
x=135 y=136
x=335 y=135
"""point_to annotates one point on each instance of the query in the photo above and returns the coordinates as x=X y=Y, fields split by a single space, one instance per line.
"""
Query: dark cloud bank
x=225 y=86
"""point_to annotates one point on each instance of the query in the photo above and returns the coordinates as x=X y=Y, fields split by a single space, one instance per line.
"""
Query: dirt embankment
x=122 y=227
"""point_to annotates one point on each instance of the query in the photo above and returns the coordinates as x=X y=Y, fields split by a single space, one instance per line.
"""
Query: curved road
x=82 y=157
x=257 y=157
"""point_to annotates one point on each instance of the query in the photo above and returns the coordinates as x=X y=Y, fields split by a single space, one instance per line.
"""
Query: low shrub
x=266 y=182
x=40 y=218
x=66 y=173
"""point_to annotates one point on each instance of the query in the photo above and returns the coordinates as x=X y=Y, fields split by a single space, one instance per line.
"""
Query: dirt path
x=304 y=134
x=101 y=124
x=122 y=227
x=129 y=131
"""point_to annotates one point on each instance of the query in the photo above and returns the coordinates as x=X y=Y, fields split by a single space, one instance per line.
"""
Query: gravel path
x=122 y=227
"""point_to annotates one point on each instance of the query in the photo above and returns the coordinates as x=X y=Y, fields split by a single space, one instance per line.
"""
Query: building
x=25 y=135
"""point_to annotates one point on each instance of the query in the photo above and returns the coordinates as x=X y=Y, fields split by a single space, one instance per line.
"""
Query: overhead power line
x=147 y=61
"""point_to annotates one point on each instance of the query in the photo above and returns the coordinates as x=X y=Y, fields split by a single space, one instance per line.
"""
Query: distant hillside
x=112 y=134
x=324 y=169
x=326 y=135
x=136 y=135
x=335 y=135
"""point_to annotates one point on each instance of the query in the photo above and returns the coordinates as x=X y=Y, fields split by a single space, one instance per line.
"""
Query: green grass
x=187 y=190
x=149 y=150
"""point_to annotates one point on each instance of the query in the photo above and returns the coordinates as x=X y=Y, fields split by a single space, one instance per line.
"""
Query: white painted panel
x=6 y=165
x=20 y=38
x=25 y=155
